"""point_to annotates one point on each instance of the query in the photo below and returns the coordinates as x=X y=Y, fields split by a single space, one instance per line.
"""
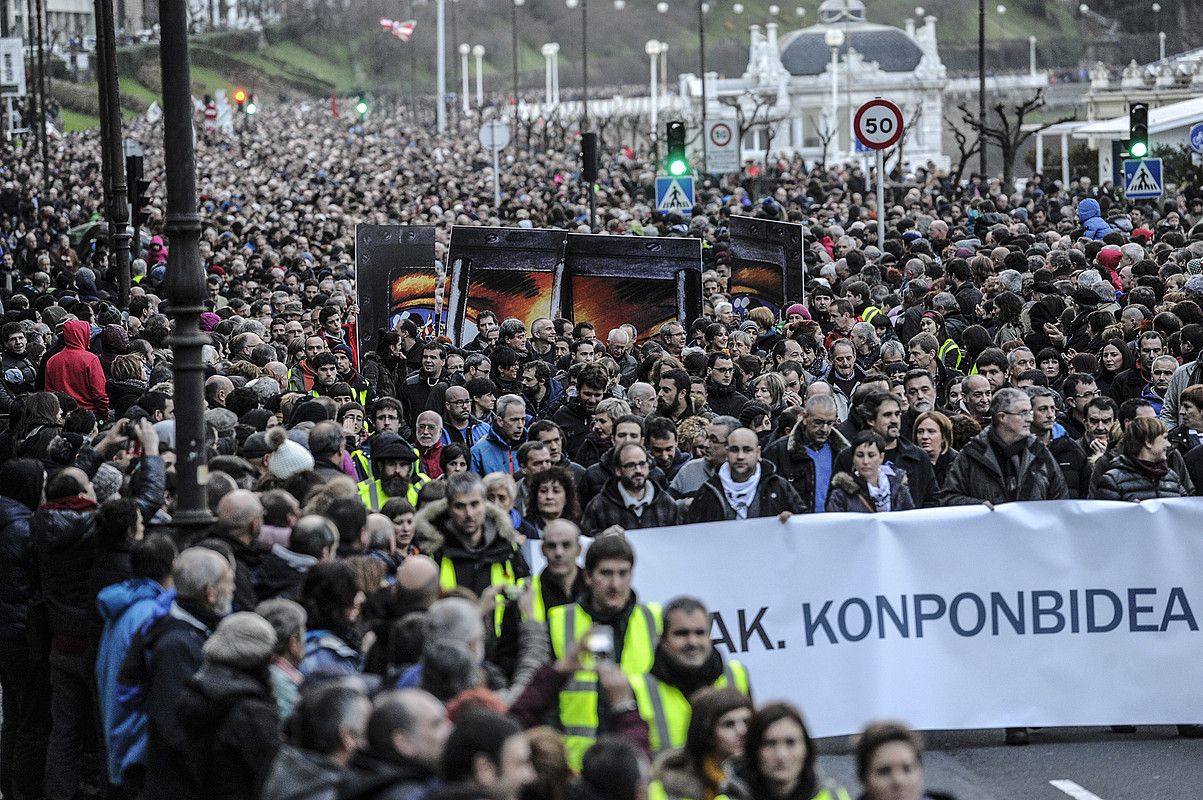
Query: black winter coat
x=849 y=492
x=64 y=535
x=16 y=565
x=773 y=495
x=725 y=400
x=1075 y=465
x=231 y=720
x=1124 y=481
x=298 y=774
x=908 y=458
x=790 y=458
x=976 y=475
x=608 y=508
x=599 y=474
x=372 y=778
x=574 y=422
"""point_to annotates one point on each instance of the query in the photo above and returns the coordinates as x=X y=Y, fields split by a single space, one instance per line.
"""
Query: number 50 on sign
x=878 y=124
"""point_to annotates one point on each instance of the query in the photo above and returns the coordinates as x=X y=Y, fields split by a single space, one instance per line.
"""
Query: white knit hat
x=287 y=457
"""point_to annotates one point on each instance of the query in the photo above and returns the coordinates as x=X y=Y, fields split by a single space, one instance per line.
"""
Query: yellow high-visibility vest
x=667 y=711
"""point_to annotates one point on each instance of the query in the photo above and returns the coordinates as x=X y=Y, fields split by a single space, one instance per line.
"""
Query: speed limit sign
x=878 y=124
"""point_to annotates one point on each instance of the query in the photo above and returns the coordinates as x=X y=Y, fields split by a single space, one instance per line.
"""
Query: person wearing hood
x=745 y=487
x=396 y=471
x=76 y=371
x=686 y=661
x=157 y=253
x=23 y=679
x=227 y=710
x=873 y=485
x=328 y=728
x=112 y=341
x=1091 y=219
x=125 y=607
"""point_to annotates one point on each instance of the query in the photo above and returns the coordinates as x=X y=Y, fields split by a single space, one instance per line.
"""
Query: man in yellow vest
x=686 y=661
x=395 y=472
x=634 y=630
x=561 y=582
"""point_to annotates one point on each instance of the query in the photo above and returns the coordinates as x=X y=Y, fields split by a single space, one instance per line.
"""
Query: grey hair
x=505 y=401
x=453 y=619
x=1006 y=399
x=1012 y=280
x=195 y=570
x=820 y=401
x=462 y=483
x=895 y=347
x=287 y=618
x=728 y=422
x=1012 y=357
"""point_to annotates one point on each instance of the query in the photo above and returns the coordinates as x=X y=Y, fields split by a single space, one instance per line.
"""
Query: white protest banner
x=1034 y=614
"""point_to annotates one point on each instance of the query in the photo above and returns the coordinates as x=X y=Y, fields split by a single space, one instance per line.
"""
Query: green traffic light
x=1139 y=149
x=677 y=167
x=361 y=107
x=251 y=108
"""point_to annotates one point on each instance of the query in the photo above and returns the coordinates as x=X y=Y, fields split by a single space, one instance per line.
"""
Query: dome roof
x=805 y=52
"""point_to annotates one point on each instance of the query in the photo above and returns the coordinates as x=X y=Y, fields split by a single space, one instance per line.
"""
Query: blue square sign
x=1142 y=178
x=674 y=193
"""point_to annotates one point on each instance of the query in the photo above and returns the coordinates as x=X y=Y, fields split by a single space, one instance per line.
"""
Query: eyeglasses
x=1087 y=395
x=633 y=464
x=466 y=401
x=1025 y=414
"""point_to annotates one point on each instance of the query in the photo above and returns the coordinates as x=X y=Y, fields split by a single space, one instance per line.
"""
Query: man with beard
x=660 y=437
x=629 y=500
x=883 y=415
x=920 y=392
x=459 y=426
x=686 y=661
x=845 y=374
x=672 y=396
x=396 y=472
x=575 y=416
x=806 y=457
x=721 y=394
x=542 y=392
x=428 y=432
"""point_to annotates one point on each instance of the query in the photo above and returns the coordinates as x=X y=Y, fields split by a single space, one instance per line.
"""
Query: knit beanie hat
x=223 y=420
x=287 y=457
x=106 y=482
x=797 y=308
x=243 y=640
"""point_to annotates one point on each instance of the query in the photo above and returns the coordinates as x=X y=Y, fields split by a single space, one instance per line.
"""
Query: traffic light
x=139 y=199
x=677 y=163
x=361 y=107
x=251 y=107
x=589 y=156
x=1138 y=130
x=240 y=98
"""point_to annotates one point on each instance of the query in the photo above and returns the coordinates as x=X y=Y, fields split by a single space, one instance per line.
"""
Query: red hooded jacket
x=76 y=371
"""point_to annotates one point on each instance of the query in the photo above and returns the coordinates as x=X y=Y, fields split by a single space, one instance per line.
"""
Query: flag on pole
x=404 y=30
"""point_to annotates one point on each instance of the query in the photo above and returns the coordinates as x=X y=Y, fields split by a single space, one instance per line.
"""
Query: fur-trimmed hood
x=431 y=521
x=799 y=440
x=854 y=484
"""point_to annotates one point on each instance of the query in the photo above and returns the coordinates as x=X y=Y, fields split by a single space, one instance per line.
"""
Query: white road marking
x=1074 y=790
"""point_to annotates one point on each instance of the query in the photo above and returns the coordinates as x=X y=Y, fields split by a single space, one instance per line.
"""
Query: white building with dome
x=785 y=96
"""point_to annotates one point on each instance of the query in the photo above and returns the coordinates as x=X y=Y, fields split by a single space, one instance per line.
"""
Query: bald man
x=744 y=487
x=217 y=389
x=414 y=591
x=642 y=397
x=239 y=519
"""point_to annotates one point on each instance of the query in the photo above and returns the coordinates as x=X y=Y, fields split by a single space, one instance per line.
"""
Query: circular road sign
x=878 y=124
x=494 y=135
x=721 y=134
x=1196 y=137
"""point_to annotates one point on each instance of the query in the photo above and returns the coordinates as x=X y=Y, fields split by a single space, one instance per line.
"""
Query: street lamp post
x=465 y=50
x=110 y=134
x=1032 y=55
x=584 y=4
x=835 y=40
x=185 y=285
x=702 y=7
x=441 y=67
x=652 y=48
x=981 y=83
x=514 y=6
x=1160 y=33
x=479 y=52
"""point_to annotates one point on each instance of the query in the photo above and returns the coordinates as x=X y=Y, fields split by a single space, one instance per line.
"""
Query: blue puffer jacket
x=125 y=607
x=1090 y=216
x=16 y=563
x=494 y=454
x=327 y=656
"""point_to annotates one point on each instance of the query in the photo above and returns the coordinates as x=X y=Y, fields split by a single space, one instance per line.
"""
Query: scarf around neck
x=739 y=495
x=880 y=493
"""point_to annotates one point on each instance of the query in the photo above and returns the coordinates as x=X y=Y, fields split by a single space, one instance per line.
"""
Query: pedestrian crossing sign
x=674 y=193
x=1142 y=178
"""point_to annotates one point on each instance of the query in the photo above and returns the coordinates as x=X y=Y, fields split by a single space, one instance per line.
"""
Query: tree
x=1007 y=134
x=745 y=120
x=966 y=150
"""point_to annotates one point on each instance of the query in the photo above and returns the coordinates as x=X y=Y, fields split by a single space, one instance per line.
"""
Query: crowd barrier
x=1031 y=614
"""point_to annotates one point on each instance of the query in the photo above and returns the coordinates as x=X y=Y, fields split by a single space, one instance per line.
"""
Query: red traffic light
x=240 y=96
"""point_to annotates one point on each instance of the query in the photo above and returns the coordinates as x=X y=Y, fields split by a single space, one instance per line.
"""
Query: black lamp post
x=185 y=287
x=117 y=204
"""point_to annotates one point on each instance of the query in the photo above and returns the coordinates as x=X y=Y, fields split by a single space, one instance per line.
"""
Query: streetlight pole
x=1032 y=55
x=652 y=48
x=464 y=51
x=834 y=38
x=702 y=6
x=1160 y=35
x=585 y=66
x=479 y=52
x=185 y=286
x=981 y=84
x=441 y=67
x=514 y=52
x=110 y=109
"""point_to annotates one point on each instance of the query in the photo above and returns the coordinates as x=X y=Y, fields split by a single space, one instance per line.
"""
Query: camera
x=599 y=642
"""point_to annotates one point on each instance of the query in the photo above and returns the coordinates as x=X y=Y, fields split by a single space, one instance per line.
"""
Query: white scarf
x=637 y=504
x=880 y=494
x=739 y=495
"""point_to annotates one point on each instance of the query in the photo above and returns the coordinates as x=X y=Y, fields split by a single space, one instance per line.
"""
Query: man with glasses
x=459 y=426
x=1079 y=389
x=721 y=394
x=630 y=499
x=672 y=337
x=805 y=458
x=1005 y=462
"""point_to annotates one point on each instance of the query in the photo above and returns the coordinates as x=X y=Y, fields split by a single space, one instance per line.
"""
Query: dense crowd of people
x=418 y=582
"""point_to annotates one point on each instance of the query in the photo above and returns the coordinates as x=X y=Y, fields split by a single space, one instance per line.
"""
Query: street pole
x=585 y=65
x=479 y=52
x=110 y=106
x=653 y=50
x=514 y=55
x=39 y=8
x=185 y=287
x=881 y=201
x=981 y=85
x=464 y=51
x=441 y=67
x=702 y=65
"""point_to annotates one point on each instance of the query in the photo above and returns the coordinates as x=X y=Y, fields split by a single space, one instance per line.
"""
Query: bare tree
x=966 y=150
x=907 y=130
x=746 y=120
x=826 y=137
x=1007 y=134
